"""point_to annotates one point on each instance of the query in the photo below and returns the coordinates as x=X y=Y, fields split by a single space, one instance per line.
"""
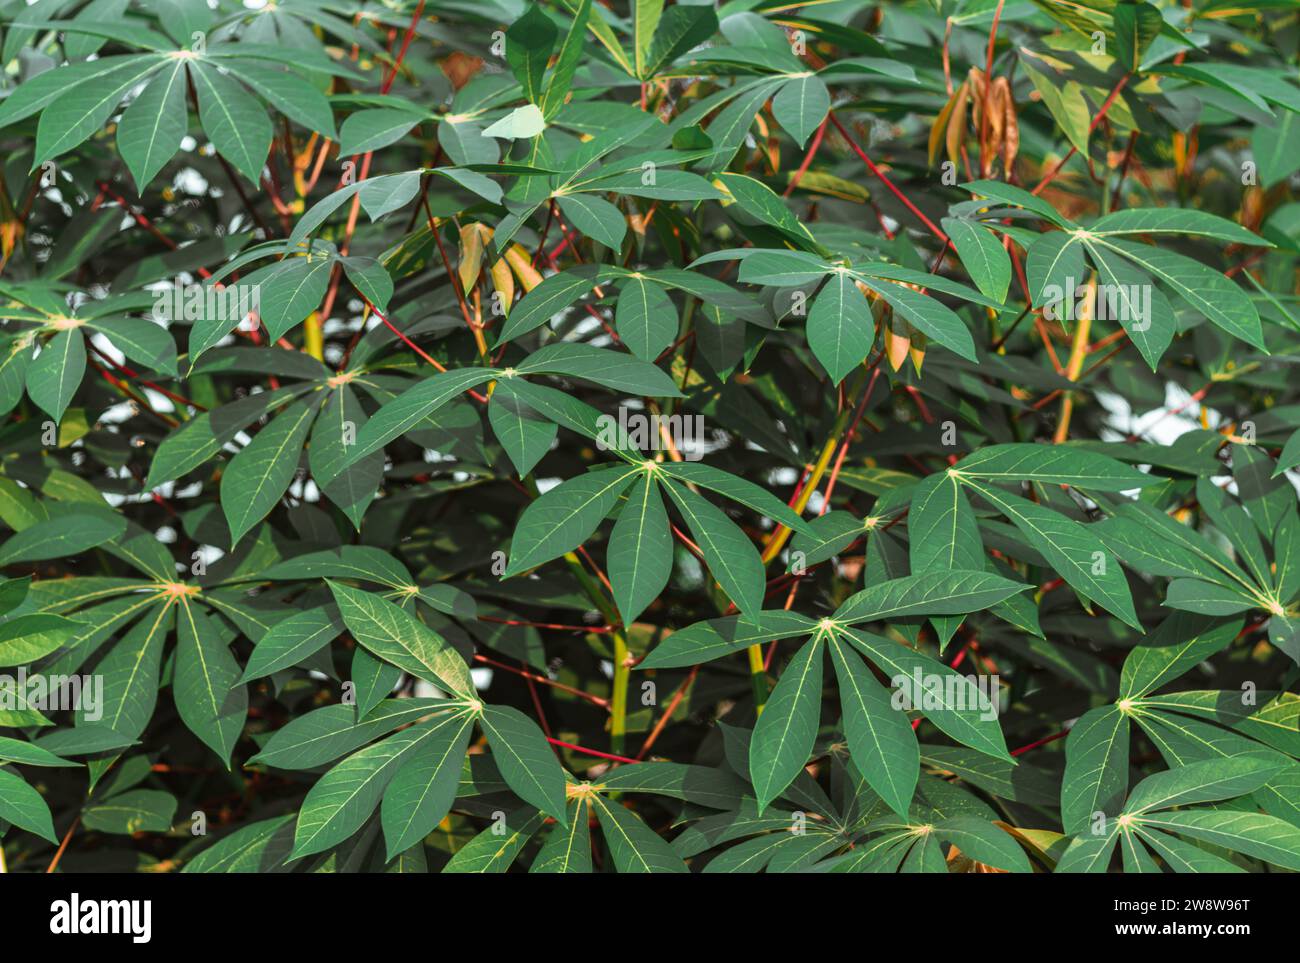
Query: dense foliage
x=570 y=436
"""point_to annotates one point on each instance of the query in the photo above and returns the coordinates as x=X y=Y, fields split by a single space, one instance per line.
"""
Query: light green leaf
x=397 y=637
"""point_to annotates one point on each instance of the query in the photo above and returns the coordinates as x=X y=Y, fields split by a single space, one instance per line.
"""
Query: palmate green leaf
x=370 y=278
x=1179 y=643
x=27 y=754
x=200 y=438
x=667 y=185
x=1152 y=542
x=135 y=811
x=881 y=741
x=1078 y=555
x=715 y=788
x=640 y=550
x=343 y=798
x=1090 y=852
x=1277 y=149
x=1255 y=834
x=713 y=639
x=1207 y=598
x=933 y=319
x=984 y=257
x=738 y=490
x=1184 y=857
x=525 y=759
x=949 y=700
x=553 y=295
x=564 y=517
x=140 y=340
x=292 y=291
x=259 y=475
x=363 y=562
x=1136 y=858
x=633 y=846
x=76 y=113
x=595 y=217
x=1206 y=290
x=23 y=806
x=568 y=412
x=209 y=699
x=1096 y=768
x=1232 y=521
x=952 y=592
x=925 y=856
x=65 y=534
x=369 y=130
x=258 y=847
x=984 y=842
x=1207 y=781
x=525 y=435
x=397 y=637
x=645 y=318
x=942 y=531
x=292 y=640
x=763 y=204
x=351 y=488
x=131 y=670
x=323 y=735
x=1151 y=327
x=1019 y=783
x=841 y=328
x=830 y=534
x=680 y=29
x=495 y=848
x=801 y=105
x=780 y=268
x=55 y=375
x=529 y=42
x=728 y=552
x=372 y=679
x=1175 y=220
x=1054 y=265
x=291 y=95
x=423 y=790
x=611 y=369
x=783 y=738
x=566 y=63
x=1018 y=197
x=232 y=117
x=412 y=407
x=153 y=127
x=567 y=849
x=1052 y=464
x=35 y=92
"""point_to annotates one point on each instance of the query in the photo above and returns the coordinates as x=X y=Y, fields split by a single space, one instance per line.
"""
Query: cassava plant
x=569 y=436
